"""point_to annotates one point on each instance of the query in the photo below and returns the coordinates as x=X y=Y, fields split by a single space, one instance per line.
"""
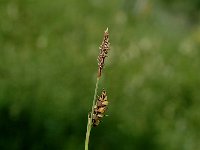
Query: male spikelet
x=99 y=108
x=104 y=47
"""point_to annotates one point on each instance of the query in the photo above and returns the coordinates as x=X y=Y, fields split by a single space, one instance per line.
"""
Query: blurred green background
x=48 y=69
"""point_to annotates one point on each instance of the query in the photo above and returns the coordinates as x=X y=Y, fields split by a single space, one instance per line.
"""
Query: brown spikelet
x=99 y=108
x=104 y=47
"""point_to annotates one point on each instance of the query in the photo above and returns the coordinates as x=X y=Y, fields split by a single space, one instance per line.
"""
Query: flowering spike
x=104 y=47
x=99 y=108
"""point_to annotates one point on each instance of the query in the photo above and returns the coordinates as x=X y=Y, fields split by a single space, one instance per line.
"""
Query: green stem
x=89 y=124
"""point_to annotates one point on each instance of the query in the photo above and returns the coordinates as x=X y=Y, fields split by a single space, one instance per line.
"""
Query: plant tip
x=106 y=29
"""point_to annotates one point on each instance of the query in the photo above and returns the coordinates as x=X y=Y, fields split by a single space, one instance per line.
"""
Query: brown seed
x=99 y=108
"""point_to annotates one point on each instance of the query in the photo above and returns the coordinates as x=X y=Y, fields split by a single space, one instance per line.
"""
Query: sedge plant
x=99 y=104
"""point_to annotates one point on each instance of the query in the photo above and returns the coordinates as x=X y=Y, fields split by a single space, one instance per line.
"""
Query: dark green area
x=48 y=67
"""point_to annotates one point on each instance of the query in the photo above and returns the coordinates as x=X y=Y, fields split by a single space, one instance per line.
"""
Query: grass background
x=48 y=70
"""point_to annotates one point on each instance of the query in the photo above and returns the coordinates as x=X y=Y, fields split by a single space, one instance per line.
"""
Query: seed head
x=104 y=47
x=99 y=108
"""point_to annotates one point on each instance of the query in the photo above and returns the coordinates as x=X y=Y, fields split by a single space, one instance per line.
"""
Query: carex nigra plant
x=99 y=105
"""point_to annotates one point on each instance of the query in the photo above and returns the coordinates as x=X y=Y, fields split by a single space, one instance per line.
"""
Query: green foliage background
x=48 y=70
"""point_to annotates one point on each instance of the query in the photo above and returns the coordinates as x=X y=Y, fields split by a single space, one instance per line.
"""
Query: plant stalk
x=89 y=124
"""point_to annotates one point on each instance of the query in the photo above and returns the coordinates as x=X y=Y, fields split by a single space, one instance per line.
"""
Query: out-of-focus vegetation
x=48 y=52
